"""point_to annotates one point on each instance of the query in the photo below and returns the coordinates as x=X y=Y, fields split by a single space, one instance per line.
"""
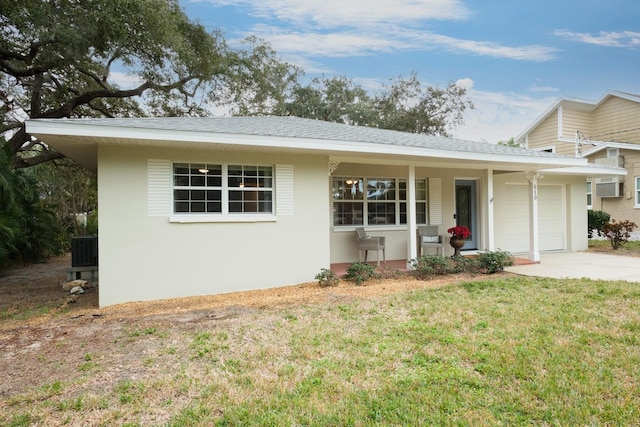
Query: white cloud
x=388 y=39
x=338 y=44
x=520 y=53
x=124 y=80
x=308 y=28
x=327 y=14
x=625 y=39
x=499 y=116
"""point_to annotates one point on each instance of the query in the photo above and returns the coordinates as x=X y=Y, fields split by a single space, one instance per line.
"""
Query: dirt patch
x=47 y=335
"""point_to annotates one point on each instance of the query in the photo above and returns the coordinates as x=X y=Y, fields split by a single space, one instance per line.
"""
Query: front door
x=466 y=210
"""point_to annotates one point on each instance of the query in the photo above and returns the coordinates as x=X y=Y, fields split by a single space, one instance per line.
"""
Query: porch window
x=222 y=189
x=375 y=201
x=589 y=195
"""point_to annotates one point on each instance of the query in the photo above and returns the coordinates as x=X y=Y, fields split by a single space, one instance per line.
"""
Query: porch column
x=490 y=218
x=412 y=241
x=534 y=245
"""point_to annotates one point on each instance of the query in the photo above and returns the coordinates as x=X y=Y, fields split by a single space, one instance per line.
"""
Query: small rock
x=77 y=290
x=72 y=284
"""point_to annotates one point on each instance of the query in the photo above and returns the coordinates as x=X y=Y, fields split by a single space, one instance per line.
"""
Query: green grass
x=514 y=351
x=631 y=247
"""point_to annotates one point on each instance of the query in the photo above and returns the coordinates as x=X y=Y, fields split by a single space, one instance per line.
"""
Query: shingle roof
x=299 y=128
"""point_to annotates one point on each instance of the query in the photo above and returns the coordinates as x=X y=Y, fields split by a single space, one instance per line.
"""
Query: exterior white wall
x=146 y=257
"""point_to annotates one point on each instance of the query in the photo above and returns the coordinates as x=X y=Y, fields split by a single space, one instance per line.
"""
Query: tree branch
x=25 y=162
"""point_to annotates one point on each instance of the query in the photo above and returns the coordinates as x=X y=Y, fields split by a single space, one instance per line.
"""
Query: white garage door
x=551 y=217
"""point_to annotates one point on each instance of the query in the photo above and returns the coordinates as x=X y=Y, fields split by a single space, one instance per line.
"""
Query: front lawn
x=508 y=351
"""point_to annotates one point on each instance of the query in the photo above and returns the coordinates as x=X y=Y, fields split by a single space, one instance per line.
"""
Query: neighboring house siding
x=621 y=208
x=617 y=120
x=209 y=257
x=546 y=134
x=573 y=120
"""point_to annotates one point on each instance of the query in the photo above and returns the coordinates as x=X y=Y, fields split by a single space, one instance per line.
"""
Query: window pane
x=381 y=213
x=181 y=207
x=235 y=195
x=381 y=189
x=266 y=182
x=421 y=189
x=181 y=180
x=197 y=207
x=403 y=213
x=348 y=188
x=347 y=213
x=197 y=181
x=181 y=169
x=421 y=213
x=235 y=170
x=181 y=194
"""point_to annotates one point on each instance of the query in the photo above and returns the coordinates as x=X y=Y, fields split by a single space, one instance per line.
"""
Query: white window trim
x=197 y=218
x=636 y=180
x=590 y=205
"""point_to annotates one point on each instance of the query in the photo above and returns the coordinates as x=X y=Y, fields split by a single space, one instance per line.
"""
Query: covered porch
x=499 y=201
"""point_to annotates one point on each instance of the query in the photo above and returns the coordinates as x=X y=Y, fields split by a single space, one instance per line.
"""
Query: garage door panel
x=551 y=222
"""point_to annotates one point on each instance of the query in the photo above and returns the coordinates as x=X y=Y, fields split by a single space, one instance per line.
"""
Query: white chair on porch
x=429 y=238
x=368 y=243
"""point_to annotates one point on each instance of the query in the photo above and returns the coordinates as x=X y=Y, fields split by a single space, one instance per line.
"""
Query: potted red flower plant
x=459 y=234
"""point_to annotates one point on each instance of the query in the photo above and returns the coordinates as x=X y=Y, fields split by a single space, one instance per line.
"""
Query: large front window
x=222 y=189
x=375 y=201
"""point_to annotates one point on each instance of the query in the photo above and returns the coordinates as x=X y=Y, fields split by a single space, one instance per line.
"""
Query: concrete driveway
x=583 y=264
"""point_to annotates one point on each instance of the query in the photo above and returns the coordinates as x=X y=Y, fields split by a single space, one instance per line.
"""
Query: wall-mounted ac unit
x=617 y=161
x=610 y=187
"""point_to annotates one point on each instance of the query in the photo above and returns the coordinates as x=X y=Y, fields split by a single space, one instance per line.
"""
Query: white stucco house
x=196 y=206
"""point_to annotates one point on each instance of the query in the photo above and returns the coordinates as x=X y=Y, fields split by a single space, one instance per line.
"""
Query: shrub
x=597 y=220
x=618 y=233
x=460 y=264
x=360 y=272
x=327 y=277
x=430 y=265
x=494 y=261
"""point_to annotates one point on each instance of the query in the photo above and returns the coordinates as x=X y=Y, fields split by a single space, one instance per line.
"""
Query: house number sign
x=535 y=191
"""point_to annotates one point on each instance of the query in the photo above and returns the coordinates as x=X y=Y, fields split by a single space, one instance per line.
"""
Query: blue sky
x=516 y=58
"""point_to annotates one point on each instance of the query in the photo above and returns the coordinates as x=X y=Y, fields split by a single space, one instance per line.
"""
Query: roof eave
x=94 y=135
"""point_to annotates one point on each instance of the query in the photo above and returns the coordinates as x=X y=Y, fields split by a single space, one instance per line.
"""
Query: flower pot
x=457 y=243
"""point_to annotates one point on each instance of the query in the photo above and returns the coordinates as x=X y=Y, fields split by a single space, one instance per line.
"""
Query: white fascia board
x=603 y=145
x=591 y=170
x=120 y=133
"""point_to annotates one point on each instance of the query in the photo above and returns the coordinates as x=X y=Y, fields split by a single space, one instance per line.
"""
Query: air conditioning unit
x=617 y=161
x=610 y=186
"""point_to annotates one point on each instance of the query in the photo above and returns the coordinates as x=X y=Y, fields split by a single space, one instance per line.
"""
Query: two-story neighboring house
x=607 y=132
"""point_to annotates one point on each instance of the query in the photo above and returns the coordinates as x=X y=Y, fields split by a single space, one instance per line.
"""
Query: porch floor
x=400 y=264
